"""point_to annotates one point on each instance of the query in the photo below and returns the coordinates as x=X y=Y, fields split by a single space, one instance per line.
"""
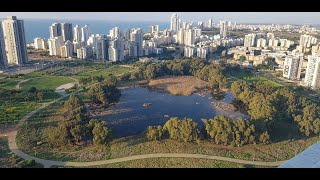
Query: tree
x=185 y=130
x=264 y=138
x=101 y=134
x=40 y=96
x=150 y=72
x=261 y=108
x=97 y=94
x=238 y=87
x=309 y=120
x=57 y=136
x=154 y=133
x=77 y=133
x=242 y=58
x=32 y=89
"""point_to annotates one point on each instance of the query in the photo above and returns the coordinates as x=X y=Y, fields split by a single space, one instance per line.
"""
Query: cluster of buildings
x=13 y=50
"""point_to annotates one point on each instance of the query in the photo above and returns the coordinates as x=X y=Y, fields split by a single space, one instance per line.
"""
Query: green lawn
x=4 y=153
x=46 y=82
x=176 y=163
x=115 y=70
x=9 y=83
x=13 y=112
x=251 y=78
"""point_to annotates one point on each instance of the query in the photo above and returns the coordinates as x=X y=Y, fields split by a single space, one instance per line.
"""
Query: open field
x=9 y=83
x=176 y=163
x=105 y=71
x=250 y=78
x=178 y=85
x=46 y=82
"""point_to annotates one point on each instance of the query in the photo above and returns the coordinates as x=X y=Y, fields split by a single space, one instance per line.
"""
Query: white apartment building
x=189 y=51
x=40 y=43
x=312 y=77
x=223 y=29
x=77 y=34
x=292 y=67
x=85 y=33
x=202 y=52
x=55 y=45
x=249 y=40
x=14 y=40
x=3 y=58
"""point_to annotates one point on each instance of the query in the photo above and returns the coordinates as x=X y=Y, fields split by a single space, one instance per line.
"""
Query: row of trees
x=221 y=130
x=32 y=94
x=212 y=73
x=75 y=127
x=270 y=106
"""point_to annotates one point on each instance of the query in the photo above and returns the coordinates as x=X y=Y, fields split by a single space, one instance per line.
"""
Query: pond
x=130 y=117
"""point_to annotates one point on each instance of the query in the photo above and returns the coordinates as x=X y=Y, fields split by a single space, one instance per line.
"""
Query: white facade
x=189 y=37
x=292 y=67
x=189 y=51
x=40 y=43
x=261 y=42
x=55 y=30
x=55 y=45
x=77 y=34
x=67 y=50
x=249 y=40
x=307 y=40
x=14 y=40
x=312 y=77
x=175 y=23
x=202 y=52
x=116 y=50
x=223 y=29
x=136 y=37
x=114 y=33
x=85 y=33
x=101 y=48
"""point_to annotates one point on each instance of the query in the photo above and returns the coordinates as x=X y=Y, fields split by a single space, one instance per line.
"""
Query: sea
x=40 y=27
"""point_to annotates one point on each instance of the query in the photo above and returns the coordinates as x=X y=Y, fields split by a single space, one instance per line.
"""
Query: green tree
x=264 y=138
x=57 y=136
x=40 y=96
x=154 y=133
x=101 y=134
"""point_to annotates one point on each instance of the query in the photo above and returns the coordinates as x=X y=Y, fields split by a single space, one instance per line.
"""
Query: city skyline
x=239 y=17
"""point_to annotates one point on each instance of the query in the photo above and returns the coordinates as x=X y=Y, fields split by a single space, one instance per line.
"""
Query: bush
x=154 y=133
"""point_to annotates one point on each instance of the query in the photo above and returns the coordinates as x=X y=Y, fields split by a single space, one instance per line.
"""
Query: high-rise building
x=55 y=30
x=307 y=41
x=67 y=50
x=66 y=32
x=292 y=67
x=114 y=33
x=55 y=45
x=116 y=50
x=77 y=34
x=312 y=77
x=202 y=52
x=189 y=51
x=3 y=58
x=210 y=23
x=84 y=52
x=175 y=23
x=101 y=48
x=189 y=37
x=223 y=29
x=40 y=43
x=85 y=33
x=261 y=42
x=136 y=36
x=181 y=33
x=153 y=29
x=249 y=40
x=14 y=40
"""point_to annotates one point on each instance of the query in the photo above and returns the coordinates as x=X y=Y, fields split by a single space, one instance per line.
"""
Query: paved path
x=48 y=163
x=18 y=85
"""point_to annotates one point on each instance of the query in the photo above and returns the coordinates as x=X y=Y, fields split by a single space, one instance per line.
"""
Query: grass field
x=9 y=83
x=105 y=71
x=13 y=112
x=176 y=163
x=251 y=78
x=178 y=85
x=46 y=82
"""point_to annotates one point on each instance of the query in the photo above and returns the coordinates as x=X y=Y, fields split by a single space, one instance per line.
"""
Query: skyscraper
x=312 y=77
x=85 y=33
x=114 y=33
x=67 y=50
x=101 y=48
x=223 y=29
x=3 y=59
x=210 y=23
x=249 y=40
x=55 y=45
x=14 y=39
x=153 y=29
x=175 y=23
x=136 y=36
x=189 y=37
x=55 y=30
x=292 y=67
x=77 y=34
x=66 y=32
x=116 y=51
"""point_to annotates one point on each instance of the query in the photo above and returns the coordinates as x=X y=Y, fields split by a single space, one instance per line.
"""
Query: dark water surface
x=130 y=117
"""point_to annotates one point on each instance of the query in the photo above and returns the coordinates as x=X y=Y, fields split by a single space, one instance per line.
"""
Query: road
x=48 y=163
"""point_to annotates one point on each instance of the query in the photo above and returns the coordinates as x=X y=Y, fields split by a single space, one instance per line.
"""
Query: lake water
x=129 y=117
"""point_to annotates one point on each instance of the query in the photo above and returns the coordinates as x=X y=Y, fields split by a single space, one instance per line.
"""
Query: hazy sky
x=241 y=17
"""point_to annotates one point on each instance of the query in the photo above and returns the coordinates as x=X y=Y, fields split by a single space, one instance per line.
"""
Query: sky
x=239 y=17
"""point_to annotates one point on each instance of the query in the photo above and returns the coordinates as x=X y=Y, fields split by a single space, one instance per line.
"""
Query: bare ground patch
x=178 y=85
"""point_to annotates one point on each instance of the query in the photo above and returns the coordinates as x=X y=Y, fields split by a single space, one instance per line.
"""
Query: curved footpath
x=48 y=163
